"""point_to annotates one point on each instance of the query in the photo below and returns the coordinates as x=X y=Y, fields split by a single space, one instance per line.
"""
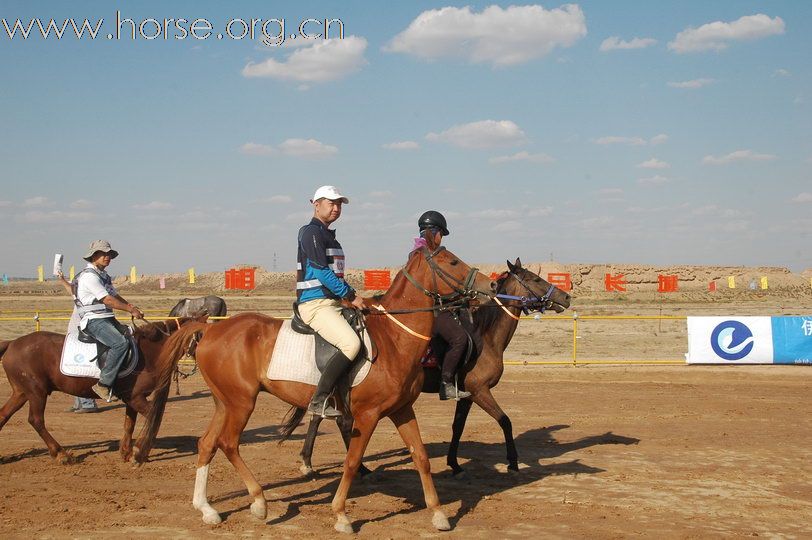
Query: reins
x=442 y=302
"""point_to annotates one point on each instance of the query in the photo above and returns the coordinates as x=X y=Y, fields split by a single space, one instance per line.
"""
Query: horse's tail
x=173 y=350
x=291 y=421
x=3 y=346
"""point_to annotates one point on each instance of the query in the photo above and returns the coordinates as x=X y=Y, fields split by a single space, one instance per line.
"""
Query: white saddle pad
x=294 y=358
x=79 y=359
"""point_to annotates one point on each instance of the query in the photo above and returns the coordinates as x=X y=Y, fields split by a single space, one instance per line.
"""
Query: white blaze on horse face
x=200 y=500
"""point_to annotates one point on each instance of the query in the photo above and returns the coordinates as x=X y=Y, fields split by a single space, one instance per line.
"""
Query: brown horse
x=233 y=357
x=32 y=362
x=496 y=323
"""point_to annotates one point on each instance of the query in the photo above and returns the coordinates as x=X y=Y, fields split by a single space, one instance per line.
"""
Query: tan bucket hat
x=100 y=245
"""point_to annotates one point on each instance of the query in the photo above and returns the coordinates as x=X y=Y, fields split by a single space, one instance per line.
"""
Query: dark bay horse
x=233 y=356
x=32 y=362
x=213 y=305
x=496 y=323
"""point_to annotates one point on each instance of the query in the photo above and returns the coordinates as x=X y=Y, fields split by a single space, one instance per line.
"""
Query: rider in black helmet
x=453 y=328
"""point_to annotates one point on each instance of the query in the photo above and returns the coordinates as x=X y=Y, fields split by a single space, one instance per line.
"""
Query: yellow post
x=133 y=275
x=40 y=274
x=72 y=273
x=36 y=319
x=763 y=283
x=191 y=276
x=731 y=282
x=574 y=338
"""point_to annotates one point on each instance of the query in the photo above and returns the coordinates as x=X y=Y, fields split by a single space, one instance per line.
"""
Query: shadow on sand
x=482 y=479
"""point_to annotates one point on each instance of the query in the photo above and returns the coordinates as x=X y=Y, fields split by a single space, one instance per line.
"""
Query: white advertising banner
x=730 y=340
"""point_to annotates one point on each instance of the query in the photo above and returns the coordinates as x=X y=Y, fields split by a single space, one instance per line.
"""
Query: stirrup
x=325 y=409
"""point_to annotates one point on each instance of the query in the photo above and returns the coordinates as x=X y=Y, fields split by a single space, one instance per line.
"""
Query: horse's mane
x=487 y=314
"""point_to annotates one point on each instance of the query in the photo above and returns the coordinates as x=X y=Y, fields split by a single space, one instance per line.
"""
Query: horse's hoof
x=212 y=518
x=306 y=470
x=440 y=522
x=259 y=509
x=343 y=526
x=65 y=458
x=459 y=475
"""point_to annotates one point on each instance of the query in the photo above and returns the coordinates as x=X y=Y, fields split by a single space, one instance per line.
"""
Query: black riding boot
x=449 y=390
x=336 y=367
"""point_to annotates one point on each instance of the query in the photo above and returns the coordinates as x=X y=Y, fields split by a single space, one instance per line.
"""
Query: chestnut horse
x=32 y=362
x=496 y=321
x=233 y=357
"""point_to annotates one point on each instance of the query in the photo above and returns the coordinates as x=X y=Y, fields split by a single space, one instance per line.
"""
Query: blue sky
x=626 y=132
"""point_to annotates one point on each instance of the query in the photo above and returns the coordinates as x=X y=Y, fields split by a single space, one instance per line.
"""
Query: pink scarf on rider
x=419 y=243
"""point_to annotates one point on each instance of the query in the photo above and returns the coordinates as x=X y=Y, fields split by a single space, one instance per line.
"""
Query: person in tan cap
x=95 y=298
x=320 y=287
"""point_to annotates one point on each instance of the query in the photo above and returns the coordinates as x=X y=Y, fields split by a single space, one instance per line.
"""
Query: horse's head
x=537 y=294
x=445 y=276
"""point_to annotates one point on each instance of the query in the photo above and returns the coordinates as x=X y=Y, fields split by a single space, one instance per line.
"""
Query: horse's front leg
x=486 y=400
x=406 y=423
x=363 y=428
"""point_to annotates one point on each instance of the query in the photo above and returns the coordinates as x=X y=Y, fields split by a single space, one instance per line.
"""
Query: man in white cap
x=95 y=298
x=320 y=287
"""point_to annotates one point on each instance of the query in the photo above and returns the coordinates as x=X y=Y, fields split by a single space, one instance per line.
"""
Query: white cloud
x=402 y=145
x=804 y=197
x=781 y=73
x=615 y=43
x=522 y=156
x=154 y=205
x=495 y=213
x=738 y=155
x=325 y=60
x=738 y=225
x=693 y=83
x=714 y=210
x=81 y=204
x=614 y=139
x=277 y=199
x=37 y=202
x=538 y=212
x=381 y=194
x=56 y=216
x=483 y=134
x=658 y=139
x=255 y=149
x=610 y=191
x=497 y=36
x=307 y=148
x=5 y=204
x=653 y=180
x=507 y=226
x=718 y=35
x=653 y=163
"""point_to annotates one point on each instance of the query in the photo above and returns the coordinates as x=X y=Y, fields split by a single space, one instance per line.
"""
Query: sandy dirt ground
x=606 y=451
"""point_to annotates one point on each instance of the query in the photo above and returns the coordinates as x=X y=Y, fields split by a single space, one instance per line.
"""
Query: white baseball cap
x=329 y=192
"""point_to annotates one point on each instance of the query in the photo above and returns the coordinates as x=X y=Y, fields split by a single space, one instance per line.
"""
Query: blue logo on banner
x=732 y=340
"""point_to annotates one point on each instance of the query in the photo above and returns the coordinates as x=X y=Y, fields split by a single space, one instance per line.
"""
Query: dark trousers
x=451 y=329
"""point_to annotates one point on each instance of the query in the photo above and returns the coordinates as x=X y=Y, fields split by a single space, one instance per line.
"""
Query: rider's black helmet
x=433 y=219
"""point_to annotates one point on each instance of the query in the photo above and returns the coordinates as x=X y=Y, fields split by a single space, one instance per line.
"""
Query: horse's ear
x=518 y=262
x=510 y=266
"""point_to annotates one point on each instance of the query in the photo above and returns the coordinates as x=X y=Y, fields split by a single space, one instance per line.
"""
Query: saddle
x=102 y=350
x=326 y=350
